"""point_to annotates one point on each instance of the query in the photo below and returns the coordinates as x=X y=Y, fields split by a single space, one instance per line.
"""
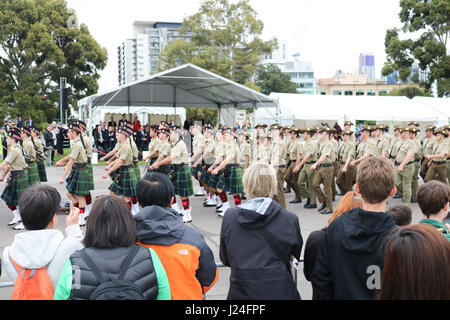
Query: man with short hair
x=433 y=198
x=404 y=162
x=351 y=255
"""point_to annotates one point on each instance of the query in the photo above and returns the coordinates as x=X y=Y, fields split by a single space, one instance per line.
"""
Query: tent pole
x=175 y=104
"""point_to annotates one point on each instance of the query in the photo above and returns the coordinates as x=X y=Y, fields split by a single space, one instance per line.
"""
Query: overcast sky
x=329 y=33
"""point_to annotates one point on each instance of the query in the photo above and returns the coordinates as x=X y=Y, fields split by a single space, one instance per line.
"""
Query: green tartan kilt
x=233 y=181
x=137 y=172
x=125 y=182
x=91 y=177
x=182 y=181
x=78 y=182
x=214 y=180
x=204 y=175
x=41 y=171
x=33 y=174
x=195 y=171
x=19 y=183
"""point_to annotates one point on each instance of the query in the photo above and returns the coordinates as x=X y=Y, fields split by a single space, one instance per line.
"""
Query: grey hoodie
x=37 y=249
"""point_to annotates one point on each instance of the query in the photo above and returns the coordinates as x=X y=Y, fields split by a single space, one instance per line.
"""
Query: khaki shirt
x=87 y=144
x=327 y=148
x=29 y=150
x=259 y=151
x=364 y=148
x=347 y=149
x=335 y=148
x=79 y=154
x=278 y=153
x=164 y=149
x=39 y=146
x=179 y=150
x=126 y=154
x=311 y=148
x=439 y=148
x=210 y=147
x=381 y=145
x=155 y=144
x=405 y=148
x=232 y=151
x=244 y=150
x=294 y=148
x=428 y=145
x=417 y=149
x=198 y=142
x=15 y=158
x=134 y=149
x=394 y=147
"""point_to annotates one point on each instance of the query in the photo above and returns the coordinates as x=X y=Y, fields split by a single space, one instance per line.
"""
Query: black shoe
x=413 y=200
x=323 y=206
x=310 y=206
x=397 y=196
x=326 y=211
x=307 y=201
x=296 y=200
x=287 y=190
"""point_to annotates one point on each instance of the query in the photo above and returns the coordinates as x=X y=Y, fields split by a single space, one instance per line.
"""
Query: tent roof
x=183 y=86
x=440 y=104
x=380 y=108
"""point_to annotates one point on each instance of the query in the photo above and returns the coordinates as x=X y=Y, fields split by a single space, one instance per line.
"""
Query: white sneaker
x=211 y=202
x=223 y=209
x=187 y=216
x=19 y=227
x=16 y=218
x=177 y=209
x=200 y=192
x=82 y=219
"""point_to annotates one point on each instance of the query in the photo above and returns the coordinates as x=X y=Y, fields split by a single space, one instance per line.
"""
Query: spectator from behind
x=187 y=259
x=258 y=239
x=348 y=202
x=354 y=243
x=401 y=214
x=433 y=198
x=42 y=245
x=416 y=266
x=110 y=245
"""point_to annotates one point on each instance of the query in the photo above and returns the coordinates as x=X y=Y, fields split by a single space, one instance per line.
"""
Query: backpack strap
x=127 y=261
x=91 y=265
x=20 y=270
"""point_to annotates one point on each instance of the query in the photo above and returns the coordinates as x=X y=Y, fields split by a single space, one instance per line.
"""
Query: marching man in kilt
x=30 y=157
x=18 y=178
x=154 y=146
x=219 y=151
x=77 y=165
x=125 y=181
x=181 y=176
x=198 y=145
x=40 y=156
x=231 y=179
x=135 y=151
x=163 y=152
x=205 y=162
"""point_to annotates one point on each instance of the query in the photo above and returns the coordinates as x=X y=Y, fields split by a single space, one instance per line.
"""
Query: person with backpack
x=41 y=250
x=187 y=258
x=112 y=266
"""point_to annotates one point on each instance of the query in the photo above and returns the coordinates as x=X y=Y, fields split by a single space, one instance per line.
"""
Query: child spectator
x=401 y=214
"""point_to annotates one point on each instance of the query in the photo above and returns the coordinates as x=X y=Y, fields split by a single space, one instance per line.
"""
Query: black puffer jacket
x=257 y=272
x=109 y=262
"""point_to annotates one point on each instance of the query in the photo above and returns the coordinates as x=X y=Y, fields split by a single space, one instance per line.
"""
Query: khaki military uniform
x=306 y=176
x=438 y=167
x=404 y=178
x=336 y=165
x=294 y=149
x=345 y=180
x=324 y=175
x=154 y=145
x=427 y=149
x=416 y=164
x=244 y=150
x=278 y=161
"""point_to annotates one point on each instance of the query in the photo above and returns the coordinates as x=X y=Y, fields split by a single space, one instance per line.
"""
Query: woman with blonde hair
x=349 y=201
x=258 y=239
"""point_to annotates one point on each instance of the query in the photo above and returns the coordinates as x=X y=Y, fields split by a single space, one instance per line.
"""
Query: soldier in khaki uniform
x=348 y=127
x=365 y=149
x=346 y=154
x=437 y=161
x=382 y=141
x=294 y=152
x=417 y=156
x=277 y=158
x=198 y=145
x=324 y=175
x=306 y=176
x=394 y=144
x=287 y=141
x=336 y=163
x=259 y=149
x=428 y=144
x=154 y=146
x=404 y=163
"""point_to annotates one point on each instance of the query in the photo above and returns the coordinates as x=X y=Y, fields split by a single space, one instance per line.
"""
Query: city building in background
x=356 y=85
x=421 y=75
x=138 y=56
x=301 y=72
x=367 y=65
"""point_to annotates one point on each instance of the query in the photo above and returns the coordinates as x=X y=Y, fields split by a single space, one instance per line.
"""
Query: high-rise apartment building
x=367 y=65
x=138 y=56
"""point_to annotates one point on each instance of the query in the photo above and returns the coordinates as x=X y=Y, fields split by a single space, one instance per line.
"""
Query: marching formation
x=315 y=163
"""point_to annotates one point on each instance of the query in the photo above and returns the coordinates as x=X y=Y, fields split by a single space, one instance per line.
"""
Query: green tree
x=430 y=20
x=39 y=43
x=208 y=115
x=270 y=79
x=224 y=39
x=409 y=92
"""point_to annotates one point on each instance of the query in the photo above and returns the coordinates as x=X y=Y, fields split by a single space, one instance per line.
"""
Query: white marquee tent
x=292 y=107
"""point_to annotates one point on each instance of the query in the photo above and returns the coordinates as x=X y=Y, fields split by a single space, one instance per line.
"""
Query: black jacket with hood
x=257 y=272
x=351 y=256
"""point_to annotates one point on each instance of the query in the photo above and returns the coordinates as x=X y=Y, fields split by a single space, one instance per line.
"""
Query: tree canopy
x=39 y=43
x=270 y=79
x=427 y=23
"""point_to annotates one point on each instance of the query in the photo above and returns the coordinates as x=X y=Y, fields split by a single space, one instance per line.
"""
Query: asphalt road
x=204 y=219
